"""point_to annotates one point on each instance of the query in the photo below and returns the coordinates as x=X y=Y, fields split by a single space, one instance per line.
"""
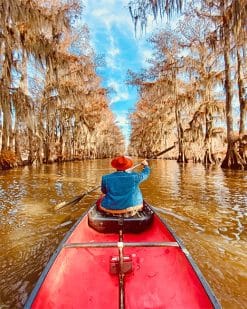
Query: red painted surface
x=161 y=277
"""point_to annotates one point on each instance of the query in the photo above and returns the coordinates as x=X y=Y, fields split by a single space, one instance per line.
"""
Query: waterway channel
x=207 y=208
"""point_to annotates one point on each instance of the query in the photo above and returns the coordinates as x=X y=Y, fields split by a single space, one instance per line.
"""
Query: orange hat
x=122 y=163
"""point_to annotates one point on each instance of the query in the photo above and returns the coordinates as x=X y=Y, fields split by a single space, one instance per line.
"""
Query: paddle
x=153 y=157
x=75 y=199
x=79 y=197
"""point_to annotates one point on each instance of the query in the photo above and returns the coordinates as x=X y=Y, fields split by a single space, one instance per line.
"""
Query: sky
x=112 y=35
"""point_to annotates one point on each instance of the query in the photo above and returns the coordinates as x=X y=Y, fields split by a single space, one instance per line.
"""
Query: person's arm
x=143 y=175
x=103 y=187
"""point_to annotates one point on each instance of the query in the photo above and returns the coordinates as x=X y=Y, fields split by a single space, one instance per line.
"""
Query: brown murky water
x=206 y=207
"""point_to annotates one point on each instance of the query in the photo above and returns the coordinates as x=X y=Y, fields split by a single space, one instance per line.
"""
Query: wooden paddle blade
x=70 y=203
x=60 y=205
x=75 y=199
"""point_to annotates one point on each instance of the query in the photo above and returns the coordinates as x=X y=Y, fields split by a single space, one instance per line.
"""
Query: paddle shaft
x=153 y=157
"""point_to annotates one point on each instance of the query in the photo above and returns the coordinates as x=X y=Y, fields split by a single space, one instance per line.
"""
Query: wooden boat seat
x=108 y=223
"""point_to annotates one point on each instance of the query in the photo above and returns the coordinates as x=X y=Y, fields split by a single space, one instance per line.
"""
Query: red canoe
x=115 y=262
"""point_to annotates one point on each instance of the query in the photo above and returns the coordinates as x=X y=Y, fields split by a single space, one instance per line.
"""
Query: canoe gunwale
x=192 y=262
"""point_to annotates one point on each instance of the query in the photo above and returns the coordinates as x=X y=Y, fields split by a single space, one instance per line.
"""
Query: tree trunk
x=39 y=158
x=30 y=146
x=181 y=152
x=232 y=159
x=241 y=94
x=243 y=108
x=209 y=125
x=20 y=101
x=208 y=134
x=17 y=147
x=5 y=97
x=6 y=123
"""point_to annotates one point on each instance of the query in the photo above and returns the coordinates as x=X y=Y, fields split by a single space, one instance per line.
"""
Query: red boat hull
x=161 y=277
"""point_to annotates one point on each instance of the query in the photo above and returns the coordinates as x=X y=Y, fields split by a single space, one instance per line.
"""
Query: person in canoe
x=122 y=194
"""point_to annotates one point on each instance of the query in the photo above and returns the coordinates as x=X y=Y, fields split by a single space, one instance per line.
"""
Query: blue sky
x=112 y=35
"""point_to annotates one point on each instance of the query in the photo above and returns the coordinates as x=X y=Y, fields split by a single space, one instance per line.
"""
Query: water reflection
x=206 y=207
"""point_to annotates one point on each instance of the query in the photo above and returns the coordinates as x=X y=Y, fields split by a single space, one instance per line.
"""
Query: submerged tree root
x=233 y=160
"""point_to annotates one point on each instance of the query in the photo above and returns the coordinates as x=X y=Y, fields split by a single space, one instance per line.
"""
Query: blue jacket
x=122 y=189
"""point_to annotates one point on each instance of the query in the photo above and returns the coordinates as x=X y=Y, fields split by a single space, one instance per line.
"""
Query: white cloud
x=122 y=120
x=113 y=84
x=120 y=91
x=109 y=13
x=110 y=62
x=121 y=96
x=99 y=12
x=114 y=51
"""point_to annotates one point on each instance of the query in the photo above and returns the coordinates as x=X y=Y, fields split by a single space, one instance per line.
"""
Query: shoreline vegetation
x=54 y=109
